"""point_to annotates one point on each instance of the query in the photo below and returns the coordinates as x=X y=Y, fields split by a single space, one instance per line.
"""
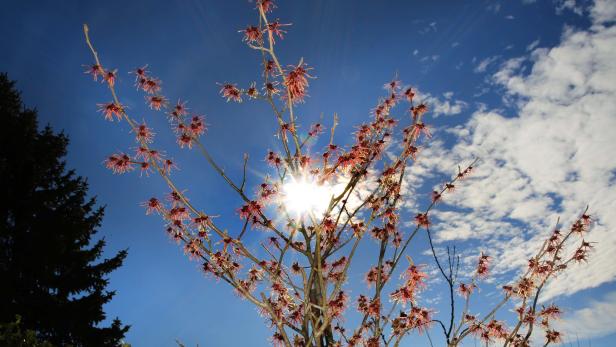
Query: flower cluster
x=294 y=268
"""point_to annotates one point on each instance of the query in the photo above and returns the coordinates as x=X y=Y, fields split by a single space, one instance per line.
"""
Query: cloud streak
x=551 y=158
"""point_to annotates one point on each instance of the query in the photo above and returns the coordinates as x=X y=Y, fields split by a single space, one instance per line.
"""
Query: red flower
x=145 y=168
x=119 y=163
x=175 y=198
x=276 y=29
x=111 y=109
x=550 y=312
x=409 y=94
x=149 y=85
x=144 y=134
x=266 y=5
x=393 y=85
x=466 y=289
x=315 y=129
x=179 y=109
x=296 y=82
x=586 y=219
x=156 y=102
x=168 y=165
x=110 y=77
x=422 y=220
x=420 y=128
x=251 y=209
x=95 y=70
x=152 y=205
x=271 y=88
x=197 y=126
x=411 y=151
x=273 y=159
x=185 y=140
x=419 y=110
x=252 y=34
x=483 y=265
x=179 y=213
x=436 y=196
x=268 y=68
x=230 y=92
x=140 y=73
x=420 y=319
x=252 y=91
x=553 y=336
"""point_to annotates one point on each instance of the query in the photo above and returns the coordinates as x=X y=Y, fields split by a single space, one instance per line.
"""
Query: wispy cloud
x=483 y=65
x=593 y=321
x=445 y=105
x=533 y=45
x=551 y=158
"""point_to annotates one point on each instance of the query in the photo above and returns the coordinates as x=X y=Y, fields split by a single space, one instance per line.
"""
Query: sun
x=305 y=195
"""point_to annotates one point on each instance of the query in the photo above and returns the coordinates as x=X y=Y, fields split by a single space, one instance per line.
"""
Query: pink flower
x=466 y=289
x=197 y=126
x=553 y=336
x=144 y=134
x=393 y=85
x=185 y=140
x=149 y=85
x=296 y=82
x=140 y=73
x=110 y=77
x=119 y=163
x=422 y=220
x=273 y=159
x=436 y=196
x=409 y=94
x=316 y=129
x=550 y=312
x=266 y=5
x=178 y=213
x=145 y=168
x=152 y=205
x=483 y=265
x=268 y=68
x=252 y=91
x=271 y=88
x=111 y=109
x=179 y=110
x=95 y=70
x=168 y=165
x=276 y=29
x=156 y=102
x=230 y=92
x=252 y=34
x=421 y=128
x=420 y=319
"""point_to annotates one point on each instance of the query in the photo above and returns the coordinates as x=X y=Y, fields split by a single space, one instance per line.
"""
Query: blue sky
x=526 y=85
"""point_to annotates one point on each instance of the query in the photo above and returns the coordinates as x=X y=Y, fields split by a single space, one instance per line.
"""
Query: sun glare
x=306 y=196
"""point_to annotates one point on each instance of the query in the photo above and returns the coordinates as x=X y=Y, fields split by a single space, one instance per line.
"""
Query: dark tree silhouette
x=49 y=267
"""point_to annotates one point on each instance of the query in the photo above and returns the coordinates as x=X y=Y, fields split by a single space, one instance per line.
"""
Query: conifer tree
x=50 y=266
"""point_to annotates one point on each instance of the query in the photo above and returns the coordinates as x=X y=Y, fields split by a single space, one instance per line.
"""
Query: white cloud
x=532 y=45
x=483 y=65
x=555 y=156
x=447 y=106
x=595 y=320
x=603 y=11
x=433 y=58
x=571 y=5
